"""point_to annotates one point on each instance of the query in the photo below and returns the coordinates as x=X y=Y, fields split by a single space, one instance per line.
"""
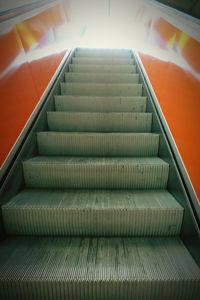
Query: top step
x=103 y=53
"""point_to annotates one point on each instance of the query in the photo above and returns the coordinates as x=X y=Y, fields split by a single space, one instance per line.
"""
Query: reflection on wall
x=172 y=61
x=31 y=51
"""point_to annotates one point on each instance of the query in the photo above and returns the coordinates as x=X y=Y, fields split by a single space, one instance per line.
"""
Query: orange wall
x=31 y=51
x=172 y=62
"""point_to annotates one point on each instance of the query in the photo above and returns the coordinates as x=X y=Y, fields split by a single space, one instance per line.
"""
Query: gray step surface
x=97 y=268
x=102 y=77
x=95 y=172
x=100 y=104
x=98 y=144
x=100 y=89
x=102 y=68
x=102 y=61
x=99 y=122
x=93 y=213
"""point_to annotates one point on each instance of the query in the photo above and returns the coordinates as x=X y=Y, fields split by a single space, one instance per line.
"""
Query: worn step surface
x=99 y=122
x=102 y=61
x=97 y=268
x=93 y=212
x=100 y=89
x=102 y=77
x=100 y=104
x=95 y=172
x=102 y=68
x=98 y=144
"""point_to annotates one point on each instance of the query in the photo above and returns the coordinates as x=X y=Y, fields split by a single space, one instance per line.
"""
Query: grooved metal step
x=97 y=268
x=100 y=89
x=102 y=61
x=95 y=172
x=102 y=68
x=98 y=144
x=93 y=212
x=100 y=104
x=103 y=53
x=102 y=77
x=99 y=122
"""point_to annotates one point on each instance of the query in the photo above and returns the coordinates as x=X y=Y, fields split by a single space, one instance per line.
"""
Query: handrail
x=189 y=24
x=11 y=13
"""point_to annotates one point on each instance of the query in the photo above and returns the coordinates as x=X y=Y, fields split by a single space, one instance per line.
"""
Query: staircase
x=96 y=220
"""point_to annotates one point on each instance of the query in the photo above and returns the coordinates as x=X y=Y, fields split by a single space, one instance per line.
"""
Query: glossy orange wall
x=31 y=51
x=171 y=58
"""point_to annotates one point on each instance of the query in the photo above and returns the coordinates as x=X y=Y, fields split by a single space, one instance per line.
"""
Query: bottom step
x=104 y=268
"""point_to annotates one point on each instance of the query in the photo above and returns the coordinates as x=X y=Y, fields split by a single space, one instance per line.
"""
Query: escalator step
x=100 y=104
x=93 y=213
x=99 y=122
x=98 y=144
x=102 y=78
x=101 y=61
x=95 y=172
x=97 y=268
x=102 y=68
x=100 y=89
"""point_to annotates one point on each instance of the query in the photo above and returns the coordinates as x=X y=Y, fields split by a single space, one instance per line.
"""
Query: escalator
x=95 y=217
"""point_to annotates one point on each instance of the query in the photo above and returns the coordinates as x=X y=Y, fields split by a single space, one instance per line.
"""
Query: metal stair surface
x=94 y=219
x=96 y=172
x=98 y=144
x=101 y=89
x=93 y=212
x=88 y=68
x=97 y=268
x=102 y=78
x=99 y=122
x=72 y=103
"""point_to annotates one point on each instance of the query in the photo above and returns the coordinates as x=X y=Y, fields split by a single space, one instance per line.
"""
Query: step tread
x=84 y=60
x=100 y=89
x=93 y=212
x=125 y=161
x=94 y=144
x=99 y=121
x=100 y=104
x=93 y=199
x=102 y=77
x=97 y=259
x=102 y=68
x=96 y=172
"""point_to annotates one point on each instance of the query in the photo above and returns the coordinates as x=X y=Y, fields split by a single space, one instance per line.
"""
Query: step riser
x=97 y=145
x=102 y=68
x=116 y=176
x=99 y=122
x=88 y=222
x=100 y=104
x=101 y=89
x=90 y=290
x=102 y=78
x=100 y=61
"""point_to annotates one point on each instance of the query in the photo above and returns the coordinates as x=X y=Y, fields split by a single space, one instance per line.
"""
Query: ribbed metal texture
x=100 y=89
x=104 y=61
x=93 y=212
x=102 y=77
x=99 y=268
x=102 y=68
x=99 y=122
x=83 y=172
x=100 y=104
x=102 y=53
x=98 y=144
